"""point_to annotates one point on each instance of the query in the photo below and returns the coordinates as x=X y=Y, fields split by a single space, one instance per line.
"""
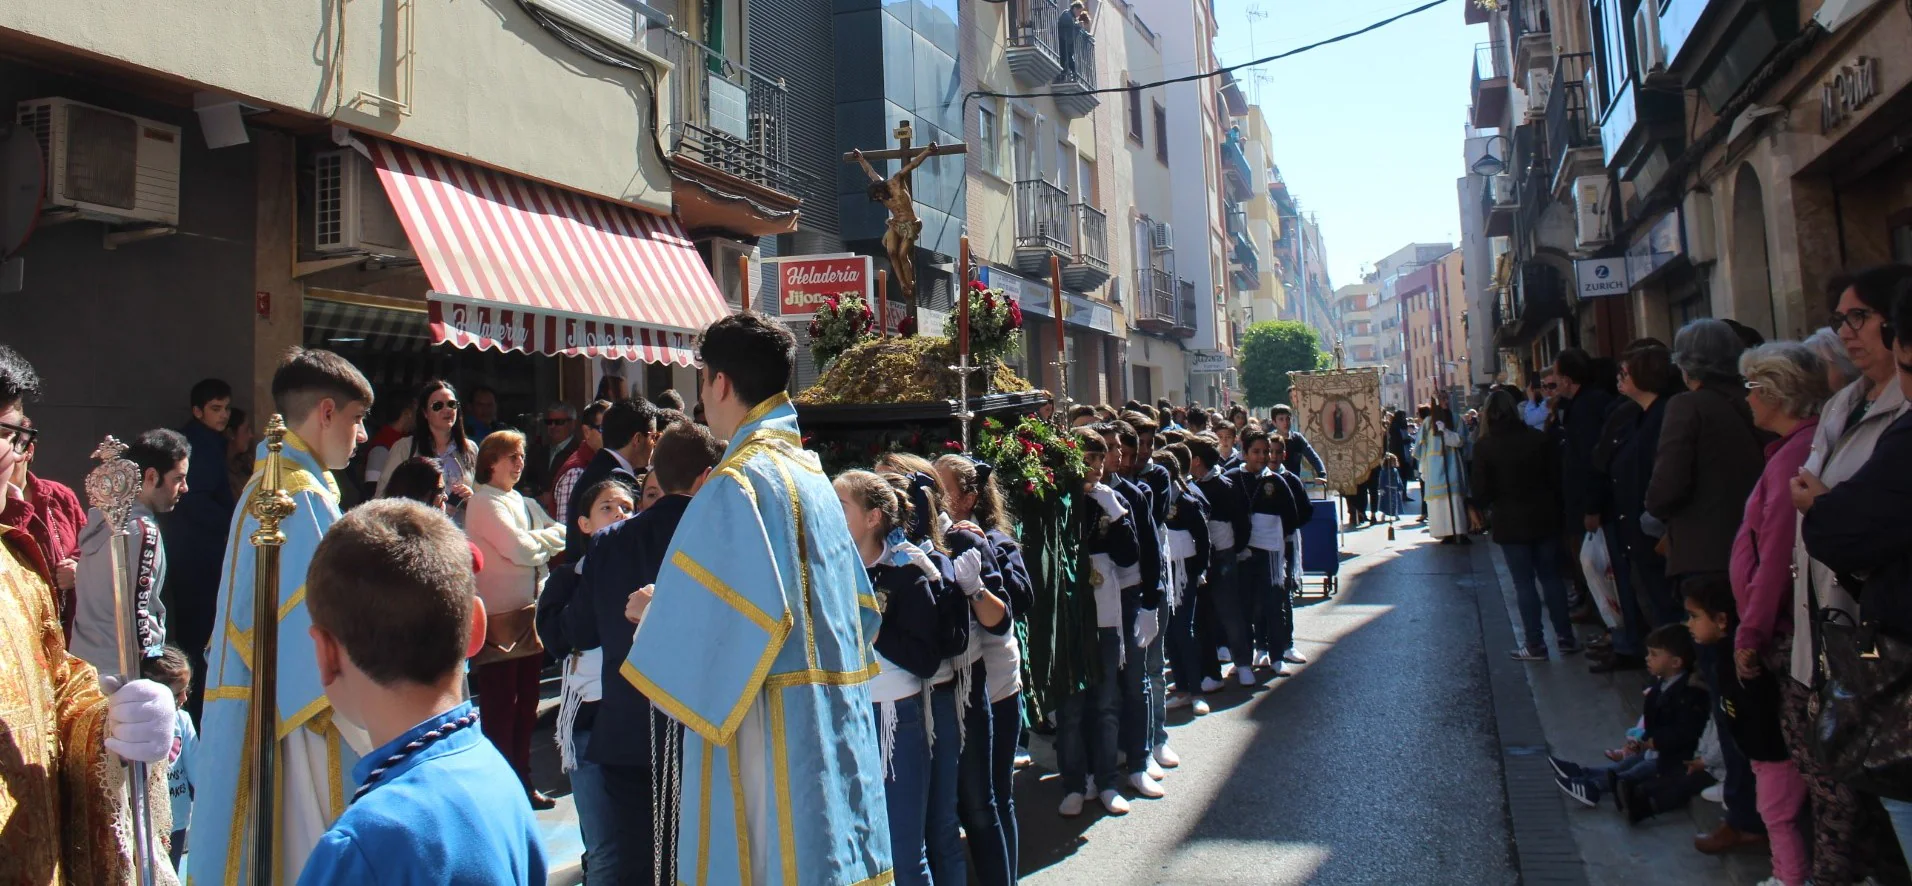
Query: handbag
x=510 y=635
x=1752 y=714
x=1861 y=711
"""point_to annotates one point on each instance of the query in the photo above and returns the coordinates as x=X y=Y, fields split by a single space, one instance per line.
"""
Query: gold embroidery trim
x=703 y=815
x=722 y=591
x=803 y=563
x=817 y=677
x=737 y=802
x=780 y=776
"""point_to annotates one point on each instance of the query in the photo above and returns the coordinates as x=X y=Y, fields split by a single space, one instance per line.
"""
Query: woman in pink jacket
x=1785 y=386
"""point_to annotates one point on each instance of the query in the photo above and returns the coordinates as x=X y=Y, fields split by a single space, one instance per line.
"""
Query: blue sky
x=1368 y=131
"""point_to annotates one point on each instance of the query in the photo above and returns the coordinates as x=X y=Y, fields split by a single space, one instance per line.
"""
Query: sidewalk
x=1581 y=715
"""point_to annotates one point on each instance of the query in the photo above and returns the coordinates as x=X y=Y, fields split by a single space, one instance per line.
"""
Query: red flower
x=989 y=302
x=977 y=285
x=1015 y=315
x=1029 y=487
x=806 y=442
x=906 y=328
x=952 y=446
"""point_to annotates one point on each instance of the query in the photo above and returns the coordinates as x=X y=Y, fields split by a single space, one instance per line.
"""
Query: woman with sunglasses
x=437 y=433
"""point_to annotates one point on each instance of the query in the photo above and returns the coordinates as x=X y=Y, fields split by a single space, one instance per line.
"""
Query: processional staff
x=111 y=488
x=270 y=505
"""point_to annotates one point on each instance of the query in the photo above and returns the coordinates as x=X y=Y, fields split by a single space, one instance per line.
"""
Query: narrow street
x=1387 y=759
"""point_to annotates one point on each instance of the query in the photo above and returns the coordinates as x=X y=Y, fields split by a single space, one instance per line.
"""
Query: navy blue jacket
x=1227 y=504
x=961 y=541
x=623 y=557
x=1580 y=431
x=1266 y=495
x=554 y=630
x=1118 y=540
x=1304 y=506
x=1675 y=719
x=911 y=632
x=601 y=466
x=1632 y=466
x=1299 y=450
x=1189 y=512
x=1859 y=528
x=1141 y=505
x=195 y=532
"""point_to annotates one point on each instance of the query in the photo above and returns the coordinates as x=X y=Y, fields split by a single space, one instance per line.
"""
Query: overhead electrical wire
x=1204 y=75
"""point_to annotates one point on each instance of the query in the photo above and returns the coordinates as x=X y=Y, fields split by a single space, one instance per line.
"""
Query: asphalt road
x=1375 y=763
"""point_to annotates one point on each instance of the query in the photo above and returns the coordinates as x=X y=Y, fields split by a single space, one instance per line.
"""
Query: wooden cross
x=903 y=133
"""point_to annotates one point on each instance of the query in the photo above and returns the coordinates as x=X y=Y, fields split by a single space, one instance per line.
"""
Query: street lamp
x=1490 y=165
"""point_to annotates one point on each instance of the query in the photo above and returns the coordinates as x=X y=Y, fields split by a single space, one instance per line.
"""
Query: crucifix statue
x=896 y=195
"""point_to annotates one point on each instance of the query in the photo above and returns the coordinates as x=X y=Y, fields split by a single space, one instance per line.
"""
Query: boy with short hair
x=1676 y=715
x=1088 y=727
x=392 y=595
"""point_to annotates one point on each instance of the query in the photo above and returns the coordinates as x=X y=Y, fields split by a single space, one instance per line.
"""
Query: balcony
x=1033 y=54
x=727 y=137
x=1476 y=12
x=1531 y=26
x=1238 y=180
x=1526 y=305
x=1075 y=92
x=1246 y=271
x=1156 y=305
x=1044 y=227
x=1497 y=205
x=1089 y=267
x=1571 y=136
x=1185 y=321
x=1490 y=85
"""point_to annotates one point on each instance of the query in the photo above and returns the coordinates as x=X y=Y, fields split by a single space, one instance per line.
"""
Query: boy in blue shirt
x=391 y=594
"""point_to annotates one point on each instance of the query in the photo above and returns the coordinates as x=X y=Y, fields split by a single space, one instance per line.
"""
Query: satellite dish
x=22 y=187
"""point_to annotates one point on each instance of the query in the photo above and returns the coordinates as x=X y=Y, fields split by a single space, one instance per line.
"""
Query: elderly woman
x=1852 y=528
x=1785 y=386
x=1840 y=370
x=516 y=539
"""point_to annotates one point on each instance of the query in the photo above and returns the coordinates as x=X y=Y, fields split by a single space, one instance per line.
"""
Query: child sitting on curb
x=1676 y=716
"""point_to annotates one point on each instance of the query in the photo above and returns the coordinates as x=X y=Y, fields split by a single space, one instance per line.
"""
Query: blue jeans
x=1527 y=561
x=597 y=815
x=1005 y=734
x=1636 y=767
x=943 y=837
x=1090 y=721
x=906 y=792
x=1136 y=712
x=976 y=788
x=1629 y=636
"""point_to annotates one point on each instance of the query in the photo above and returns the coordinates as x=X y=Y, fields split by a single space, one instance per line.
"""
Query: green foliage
x=1272 y=349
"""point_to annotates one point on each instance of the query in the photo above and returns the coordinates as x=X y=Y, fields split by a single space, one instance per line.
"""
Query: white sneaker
x=1221 y=654
x=1245 y=676
x=1167 y=758
x=1210 y=684
x=1262 y=660
x=1071 y=805
x=1145 y=786
x=1153 y=769
x=1177 y=700
x=1772 y=881
x=1114 y=802
x=1201 y=707
x=1714 y=794
x=1293 y=657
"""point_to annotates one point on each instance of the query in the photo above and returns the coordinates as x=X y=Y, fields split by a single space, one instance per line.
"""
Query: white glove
x=1146 y=627
x=969 y=572
x=1105 y=497
x=139 y=720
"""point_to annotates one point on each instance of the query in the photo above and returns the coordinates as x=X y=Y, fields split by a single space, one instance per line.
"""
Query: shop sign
x=1601 y=277
x=1851 y=88
x=1201 y=362
x=804 y=283
x=1658 y=246
x=482 y=322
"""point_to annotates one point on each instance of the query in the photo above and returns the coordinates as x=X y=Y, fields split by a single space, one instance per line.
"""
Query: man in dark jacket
x=195 y=532
x=1515 y=475
x=622 y=559
x=630 y=429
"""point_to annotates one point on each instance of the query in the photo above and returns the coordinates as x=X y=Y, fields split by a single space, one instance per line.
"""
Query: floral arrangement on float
x=1035 y=460
x=843 y=322
x=995 y=323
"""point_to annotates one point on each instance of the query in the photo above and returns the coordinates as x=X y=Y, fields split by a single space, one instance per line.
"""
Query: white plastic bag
x=1598 y=569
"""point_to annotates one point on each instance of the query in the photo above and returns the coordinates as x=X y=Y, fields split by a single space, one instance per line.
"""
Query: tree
x=1272 y=349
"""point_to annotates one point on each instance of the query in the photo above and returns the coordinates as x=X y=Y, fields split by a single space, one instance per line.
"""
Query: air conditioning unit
x=1503 y=186
x=1646 y=40
x=1592 y=228
x=106 y=165
x=1161 y=236
x=351 y=214
x=1539 y=86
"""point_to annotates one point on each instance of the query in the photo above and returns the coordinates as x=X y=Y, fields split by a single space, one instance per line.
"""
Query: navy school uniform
x=450 y=813
x=1141 y=504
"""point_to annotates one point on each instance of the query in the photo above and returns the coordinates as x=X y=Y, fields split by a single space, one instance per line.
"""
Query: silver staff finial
x=112 y=485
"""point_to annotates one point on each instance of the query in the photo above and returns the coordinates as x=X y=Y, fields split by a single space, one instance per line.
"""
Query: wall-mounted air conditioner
x=105 y=165
x=1539 y=86
x=350 y=213
x=1161 y=236
x=1503 y=187
x=1650 y=55
x=1592 y=223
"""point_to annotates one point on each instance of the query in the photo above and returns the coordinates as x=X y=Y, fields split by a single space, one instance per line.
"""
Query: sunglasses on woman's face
x=442 y=405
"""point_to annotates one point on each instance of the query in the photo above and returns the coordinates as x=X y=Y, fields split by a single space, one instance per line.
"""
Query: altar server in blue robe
x=323 y=400
x=758 y=639
x=394 y=609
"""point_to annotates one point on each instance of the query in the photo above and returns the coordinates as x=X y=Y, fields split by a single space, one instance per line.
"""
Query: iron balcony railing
x=1490 y=64
x=726 y=115
x=1042 y=218
x=1235 y=163
x=1569 y=121
x=1155 y=297
x=1528 y=17
x=1186 y=319
x=1092 y=235
x=1039 y=28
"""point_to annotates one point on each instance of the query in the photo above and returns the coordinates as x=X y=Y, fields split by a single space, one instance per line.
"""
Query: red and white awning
x=516 y=265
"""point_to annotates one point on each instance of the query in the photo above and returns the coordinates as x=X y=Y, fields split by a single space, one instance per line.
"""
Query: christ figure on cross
x=904 y=227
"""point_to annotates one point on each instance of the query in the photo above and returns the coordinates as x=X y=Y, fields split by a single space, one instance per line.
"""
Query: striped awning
x=520 y=266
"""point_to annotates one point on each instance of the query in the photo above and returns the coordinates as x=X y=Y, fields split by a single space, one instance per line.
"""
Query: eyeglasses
x=442 y=405
x=1852 y=319
x=1753 y=385
x=20 y=436
x=556 y=422
x=1549 y=386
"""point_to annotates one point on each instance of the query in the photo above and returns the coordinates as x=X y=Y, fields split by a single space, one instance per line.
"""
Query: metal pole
x=270 y=505
x=111 y=488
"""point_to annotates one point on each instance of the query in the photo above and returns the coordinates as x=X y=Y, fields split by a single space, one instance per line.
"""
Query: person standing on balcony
x=1073 y=23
